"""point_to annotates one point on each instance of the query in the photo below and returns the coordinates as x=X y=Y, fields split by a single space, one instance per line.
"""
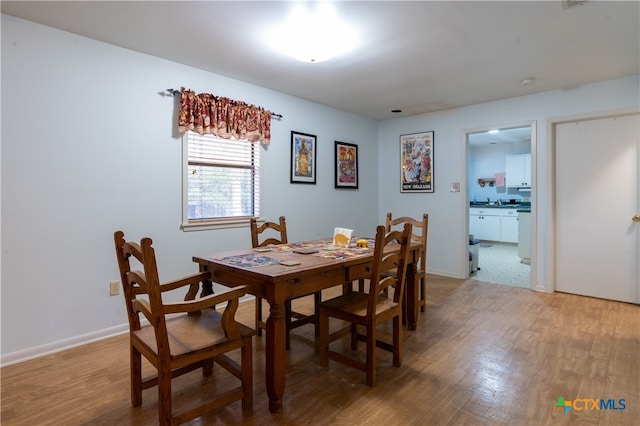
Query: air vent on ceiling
x=572 y=3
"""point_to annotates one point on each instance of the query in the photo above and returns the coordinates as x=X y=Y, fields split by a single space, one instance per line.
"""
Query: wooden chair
x=370 y=310
x=419 y=235
x=180 y=336
x=293 y=319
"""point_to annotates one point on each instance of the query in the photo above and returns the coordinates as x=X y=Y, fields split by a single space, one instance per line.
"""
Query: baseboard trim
x=72 y=342
x=444 y=273
x=61 y=345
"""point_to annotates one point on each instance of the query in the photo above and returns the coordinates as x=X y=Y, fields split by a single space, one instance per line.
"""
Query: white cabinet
x=518 y=170
x=484 y=224
x=524 y=241
x=494 y=224
x=509 y=225
x=475 y=225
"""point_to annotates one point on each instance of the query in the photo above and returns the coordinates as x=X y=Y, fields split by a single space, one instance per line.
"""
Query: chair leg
x=404 y=308
x=354 y=337
x=371 y=356
x=323 y=341
x=361 y=285
x=258 y=315
x=397 y=342
x=287 y=315
x=246 y=367
x=207 y=368
x=136 y=377
x=164 y=395
x=317 y=299
x=423 y=295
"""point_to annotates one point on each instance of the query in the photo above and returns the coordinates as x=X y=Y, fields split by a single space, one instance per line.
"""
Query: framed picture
x=303 y=158
x=346 y=165
x=416 y=162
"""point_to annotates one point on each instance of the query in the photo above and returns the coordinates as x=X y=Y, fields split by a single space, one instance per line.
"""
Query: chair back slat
x=419 y=234
x=383 y=262
x=278 y=228
x=124 y=251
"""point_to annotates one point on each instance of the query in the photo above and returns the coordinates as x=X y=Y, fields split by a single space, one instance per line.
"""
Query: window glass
x=222 y=179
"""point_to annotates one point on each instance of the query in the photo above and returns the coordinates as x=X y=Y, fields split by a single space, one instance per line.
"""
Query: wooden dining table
x=288 y=271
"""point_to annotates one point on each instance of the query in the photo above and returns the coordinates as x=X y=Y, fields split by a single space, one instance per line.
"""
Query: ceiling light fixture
x=493 y=131
x=528 y=80
x=313 y=35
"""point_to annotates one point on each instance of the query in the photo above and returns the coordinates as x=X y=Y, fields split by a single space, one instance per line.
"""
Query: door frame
x=552 y=124
x=464 y=264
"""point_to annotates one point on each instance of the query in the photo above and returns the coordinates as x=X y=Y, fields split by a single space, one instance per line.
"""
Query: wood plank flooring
x=483 y=354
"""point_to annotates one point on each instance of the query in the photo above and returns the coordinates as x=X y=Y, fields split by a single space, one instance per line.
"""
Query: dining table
x=282 y=272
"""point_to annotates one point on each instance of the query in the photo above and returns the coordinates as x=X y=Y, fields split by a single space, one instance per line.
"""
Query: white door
x=597 y=196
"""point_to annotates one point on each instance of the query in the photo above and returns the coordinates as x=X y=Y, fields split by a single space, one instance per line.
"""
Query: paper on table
x=342 y=237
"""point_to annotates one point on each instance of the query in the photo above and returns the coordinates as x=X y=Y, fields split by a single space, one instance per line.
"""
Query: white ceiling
x=508 y=135
x=419 y=57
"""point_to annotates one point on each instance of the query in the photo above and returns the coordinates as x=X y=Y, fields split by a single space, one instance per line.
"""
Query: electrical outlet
x=114 y=288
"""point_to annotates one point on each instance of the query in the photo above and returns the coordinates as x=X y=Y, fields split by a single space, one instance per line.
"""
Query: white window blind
x=223 y=178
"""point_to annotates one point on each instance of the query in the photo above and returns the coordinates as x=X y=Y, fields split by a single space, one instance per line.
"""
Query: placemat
x=343 y=253
x=250 y=260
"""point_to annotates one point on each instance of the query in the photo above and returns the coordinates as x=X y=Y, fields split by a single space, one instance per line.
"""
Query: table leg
x=207 y=286
x=276 y=356
x=411 y=293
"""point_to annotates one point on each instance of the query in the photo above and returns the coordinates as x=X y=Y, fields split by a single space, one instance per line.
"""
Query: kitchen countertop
x=495 y=206
x=522 y=207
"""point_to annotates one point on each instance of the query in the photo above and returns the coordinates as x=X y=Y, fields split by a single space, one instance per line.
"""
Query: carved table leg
x=275 y=356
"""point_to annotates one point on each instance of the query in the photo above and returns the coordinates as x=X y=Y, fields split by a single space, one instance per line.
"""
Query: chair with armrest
x=368 y=310
x=278 y=235
x=419 y=235
x=181 y=336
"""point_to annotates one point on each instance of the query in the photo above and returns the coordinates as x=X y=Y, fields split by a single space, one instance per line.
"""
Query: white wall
x=448 y=211
x=89 y=146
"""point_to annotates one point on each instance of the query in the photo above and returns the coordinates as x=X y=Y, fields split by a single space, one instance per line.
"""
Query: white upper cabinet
x=518 y=170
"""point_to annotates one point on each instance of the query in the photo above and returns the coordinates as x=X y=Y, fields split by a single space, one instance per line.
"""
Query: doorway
x=499 y=182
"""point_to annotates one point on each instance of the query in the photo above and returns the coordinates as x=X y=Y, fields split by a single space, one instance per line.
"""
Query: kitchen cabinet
x=509 y=226
x=494 y=224
x=524 y=240
x=484 y=224
x=518 y=170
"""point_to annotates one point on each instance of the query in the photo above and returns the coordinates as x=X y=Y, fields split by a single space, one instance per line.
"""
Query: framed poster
x=303 y=158
x=416 y=162
x=346 y=165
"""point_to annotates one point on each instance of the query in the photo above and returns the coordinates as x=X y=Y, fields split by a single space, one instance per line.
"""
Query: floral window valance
x=223 y=117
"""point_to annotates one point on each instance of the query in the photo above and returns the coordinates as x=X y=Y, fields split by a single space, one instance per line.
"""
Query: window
x=221 y=180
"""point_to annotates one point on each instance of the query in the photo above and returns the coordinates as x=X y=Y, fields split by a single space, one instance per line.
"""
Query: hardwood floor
x=483 y=354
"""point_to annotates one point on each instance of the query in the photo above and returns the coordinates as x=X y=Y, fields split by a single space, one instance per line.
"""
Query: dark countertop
x=495 y=206
x=525 y=206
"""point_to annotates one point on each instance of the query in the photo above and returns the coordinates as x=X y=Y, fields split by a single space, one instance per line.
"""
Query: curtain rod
x=175 y=92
